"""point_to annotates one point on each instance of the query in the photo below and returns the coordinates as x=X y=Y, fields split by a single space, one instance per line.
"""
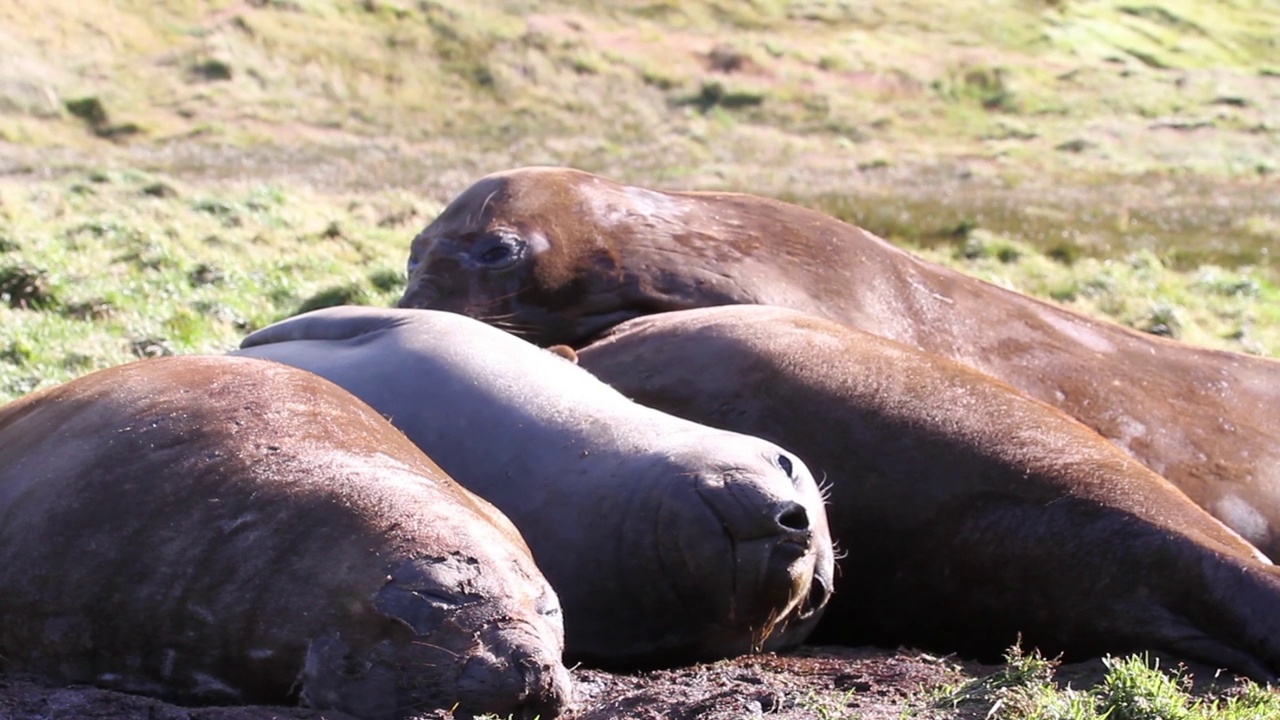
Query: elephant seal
x=967 y=512
x=234 y=531
x=559 y=255
x=667 y=542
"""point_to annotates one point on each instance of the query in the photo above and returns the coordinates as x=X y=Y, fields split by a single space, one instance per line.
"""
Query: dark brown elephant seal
x=559 y=255
x=967 y=513
x=228 y=530
x=666 y=541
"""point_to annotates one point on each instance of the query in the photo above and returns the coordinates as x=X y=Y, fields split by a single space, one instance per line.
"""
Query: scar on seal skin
x=967 y=512
x=667 y=542
x=559 y=256
x=217 y=530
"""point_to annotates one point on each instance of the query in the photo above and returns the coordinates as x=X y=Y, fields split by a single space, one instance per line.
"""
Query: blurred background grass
x=174 y=174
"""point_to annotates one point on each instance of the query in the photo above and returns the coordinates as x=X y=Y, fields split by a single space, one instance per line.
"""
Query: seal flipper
x=565 y=352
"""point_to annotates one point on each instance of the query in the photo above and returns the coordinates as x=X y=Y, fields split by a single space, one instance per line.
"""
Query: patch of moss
x=715 y=94
x=350 y=294
x=387 y=280
x=989 y=87
x=24 y=286
x=212 y=70
x=89 y=109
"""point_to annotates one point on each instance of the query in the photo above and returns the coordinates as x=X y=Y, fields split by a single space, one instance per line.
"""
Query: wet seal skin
x=218 y=530
x=559 y=255
x=667 y=542
x=966 y=512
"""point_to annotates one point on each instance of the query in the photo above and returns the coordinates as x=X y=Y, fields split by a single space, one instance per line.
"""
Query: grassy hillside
x=176 y=173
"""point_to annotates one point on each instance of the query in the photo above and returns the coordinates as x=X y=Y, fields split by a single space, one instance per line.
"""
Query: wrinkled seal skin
x=559 y=255
x=967 y=512
x=667 y=541
x=233 y=531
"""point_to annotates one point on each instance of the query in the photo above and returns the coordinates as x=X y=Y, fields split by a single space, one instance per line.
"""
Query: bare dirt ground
x=810 y=683
x=822 y=683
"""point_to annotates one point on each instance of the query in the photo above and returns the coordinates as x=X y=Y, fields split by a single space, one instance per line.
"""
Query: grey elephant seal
x=233 y=531
x=559 y=255
x=967 y=513
x=667 y=542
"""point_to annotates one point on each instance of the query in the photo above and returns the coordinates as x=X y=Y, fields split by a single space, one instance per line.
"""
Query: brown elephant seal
x=229 y=530
x=667 y=541
x=967 y=513
x=559 y=255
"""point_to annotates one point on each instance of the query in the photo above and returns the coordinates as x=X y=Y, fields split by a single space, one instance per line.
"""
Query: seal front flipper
x=565 y=352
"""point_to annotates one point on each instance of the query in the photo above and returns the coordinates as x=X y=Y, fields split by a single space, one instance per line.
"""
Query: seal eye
x=498 y=252
x=495 y=254
x=784 y=462
x=412 y=264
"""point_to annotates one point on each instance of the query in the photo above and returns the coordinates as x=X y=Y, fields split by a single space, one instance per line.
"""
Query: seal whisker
x=487 y=199
x=838 y=552
x=519 y=329
x=824 y=488
x=447 y=651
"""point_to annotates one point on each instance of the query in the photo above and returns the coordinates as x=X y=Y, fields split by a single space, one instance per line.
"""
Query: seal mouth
x=592 y=328
x=816 y=601
x=796 y=560
x=588 y=326
x=775 y=566
x=506 y=677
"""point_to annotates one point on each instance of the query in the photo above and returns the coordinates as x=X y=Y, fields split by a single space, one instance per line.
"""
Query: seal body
x=666 y=541
x=966 y=513
x=560 y=255
x=233 y=531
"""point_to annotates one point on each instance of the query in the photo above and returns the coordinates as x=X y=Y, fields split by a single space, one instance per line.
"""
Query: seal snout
x=782 y=564
x=514 y=682
x=418 y=293
x=750 y=512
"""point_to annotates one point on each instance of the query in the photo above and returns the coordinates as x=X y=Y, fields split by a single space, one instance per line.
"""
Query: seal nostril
x=794 y=517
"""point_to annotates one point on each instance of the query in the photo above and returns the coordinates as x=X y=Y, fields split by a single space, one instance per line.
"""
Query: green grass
x=1133 y=688
x=611 y=79
x=1234 y=309
x=102 y=267
x=107 y=267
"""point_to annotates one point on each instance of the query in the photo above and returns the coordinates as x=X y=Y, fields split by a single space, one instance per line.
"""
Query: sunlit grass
x=1132 y=688
x=103 y=267
x=1231 y=309
x=115 y=266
